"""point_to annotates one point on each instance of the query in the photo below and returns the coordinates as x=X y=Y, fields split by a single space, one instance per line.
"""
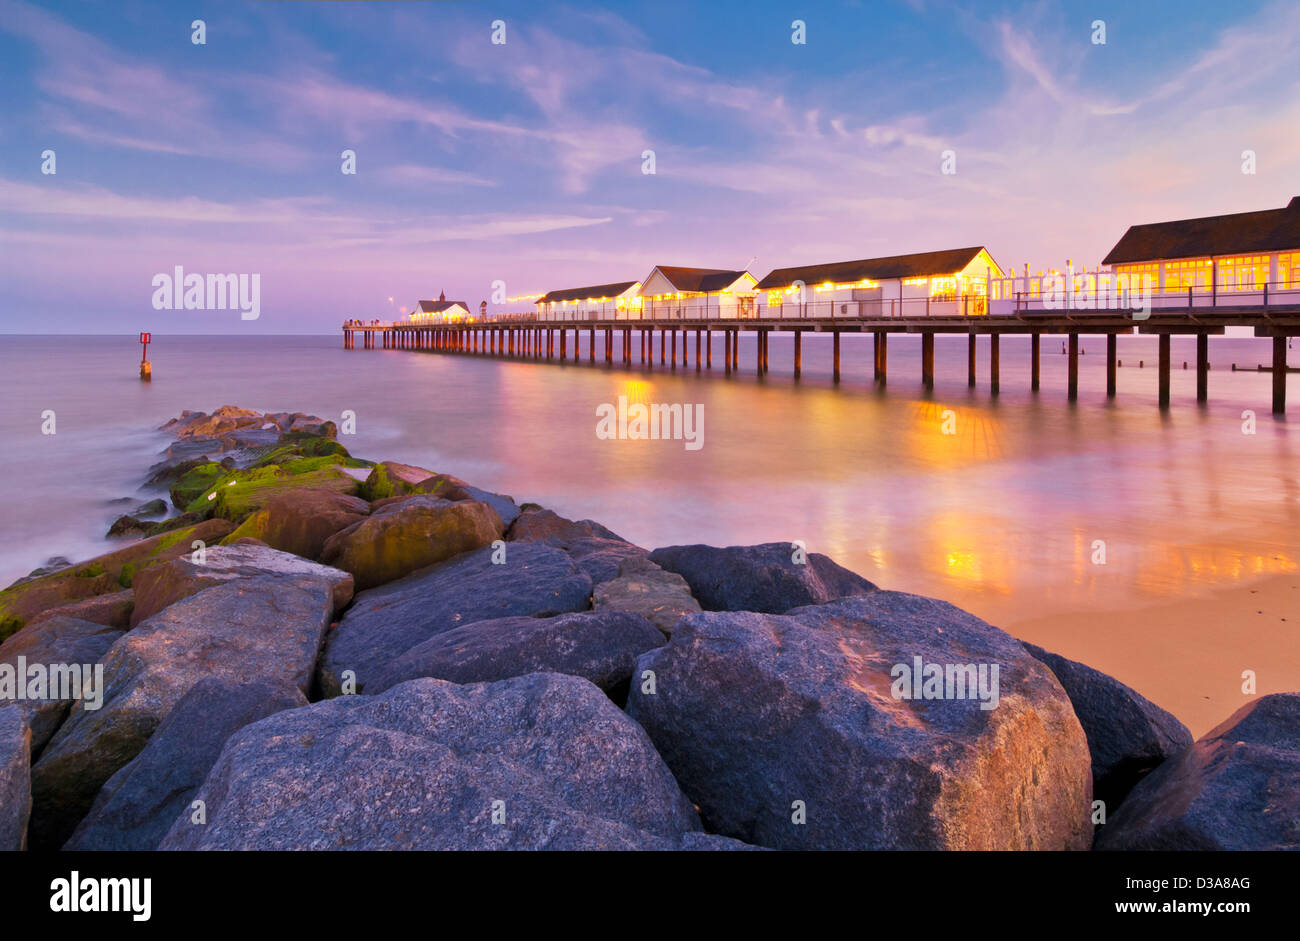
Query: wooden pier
x=547 y=340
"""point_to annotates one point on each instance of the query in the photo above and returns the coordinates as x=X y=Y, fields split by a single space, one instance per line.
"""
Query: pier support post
x=1072 y=383
x=970 y=361
x=995 y=363
x=1202 y=367
x=1279 y=375
x=759 y=338
x=591 y=346
x=708 y=348
x=1112 y=346
x=835 y=356
x=726 y=352
x=698 y=340
x=735 y=350
x=1035 y=348
x=927 y=359
x=663 y=345
x=882 y=343
x=1164 y=370
x=673 y=331
x=798 y=353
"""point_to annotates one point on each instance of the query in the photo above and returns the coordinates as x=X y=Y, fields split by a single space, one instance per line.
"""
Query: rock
x=383 y=623
x=234 y=493
x=154 y=507
x=268 y=627
x=139 y=804
x=162 y=585
x=311 y=425
x=600 y=646
x=646 y=589
x=536 y=525
x=598 y=551
x=1128 y=735
x=423 y=765
x=111 y=610
x=15 y=786
x=300 y=521
x=753 y=712
x=1236 y=788
x=225 y=419
x=128 y=526
x=413 y=534
x=55 y=639
x=504 y=506
x=601 y=558
x=391 y=479
x=758 y=578
x=98 y=576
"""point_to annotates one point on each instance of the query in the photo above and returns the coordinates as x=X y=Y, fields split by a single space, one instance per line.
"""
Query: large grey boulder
x=15 y=785
x=161 y=585
x=1236 y=788
x=383 y=623
x=600 y=646
x=644 y=588
x=755 y=713
x=268 y=627
x=426 y=765
x=1128 y=734
x=138 y=805
x=761 y=578
x=54 y=641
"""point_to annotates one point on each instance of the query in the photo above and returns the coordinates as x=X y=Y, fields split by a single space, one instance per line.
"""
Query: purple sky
x=523 y=161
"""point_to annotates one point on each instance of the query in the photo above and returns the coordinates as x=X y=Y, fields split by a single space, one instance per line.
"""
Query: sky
x=524 y=162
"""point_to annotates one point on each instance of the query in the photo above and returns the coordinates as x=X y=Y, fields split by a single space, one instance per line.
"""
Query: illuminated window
x=1243 y=273
x=1181 y=275
x=1288 y=270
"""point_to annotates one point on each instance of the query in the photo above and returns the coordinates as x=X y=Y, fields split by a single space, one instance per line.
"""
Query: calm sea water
x=1000 y=517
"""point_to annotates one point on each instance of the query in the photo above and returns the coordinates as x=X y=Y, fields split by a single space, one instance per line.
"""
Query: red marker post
x=146 y=369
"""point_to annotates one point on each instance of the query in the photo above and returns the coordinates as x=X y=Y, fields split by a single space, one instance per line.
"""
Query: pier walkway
x=527 y=336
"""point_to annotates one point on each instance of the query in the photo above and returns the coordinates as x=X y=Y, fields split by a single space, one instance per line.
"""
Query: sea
x=1018 y=507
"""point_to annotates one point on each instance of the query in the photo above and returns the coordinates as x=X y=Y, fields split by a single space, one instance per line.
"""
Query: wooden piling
x=1202 y=367
x=798 y=353
x=1164 y=370
x=970 y=361
x=1279 y=375
x=927 y=359
x=1112 y=347
x=995 y=363
x=1072 y=384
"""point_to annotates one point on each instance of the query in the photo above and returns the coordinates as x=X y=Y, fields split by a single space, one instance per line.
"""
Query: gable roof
x=915 y=265
x=580 y=294
x=1267 y=230
x=437 y=307
x=702 y=280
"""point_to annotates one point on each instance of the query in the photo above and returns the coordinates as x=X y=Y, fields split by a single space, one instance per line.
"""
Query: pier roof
x=437 y=307
x=698 y=280
x=916 y=265
x=581 y=294
x=1237 y=233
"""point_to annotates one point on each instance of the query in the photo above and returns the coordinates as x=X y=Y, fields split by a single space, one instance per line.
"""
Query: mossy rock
x=196 y=482
x=383 y=484
x=101 y=575
x=297 y=446
x=238 y=493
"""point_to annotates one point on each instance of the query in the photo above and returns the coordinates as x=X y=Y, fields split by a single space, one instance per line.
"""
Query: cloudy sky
x=522 y=161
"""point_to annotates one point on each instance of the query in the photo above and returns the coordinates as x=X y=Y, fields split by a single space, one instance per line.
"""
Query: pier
x=685 y=341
